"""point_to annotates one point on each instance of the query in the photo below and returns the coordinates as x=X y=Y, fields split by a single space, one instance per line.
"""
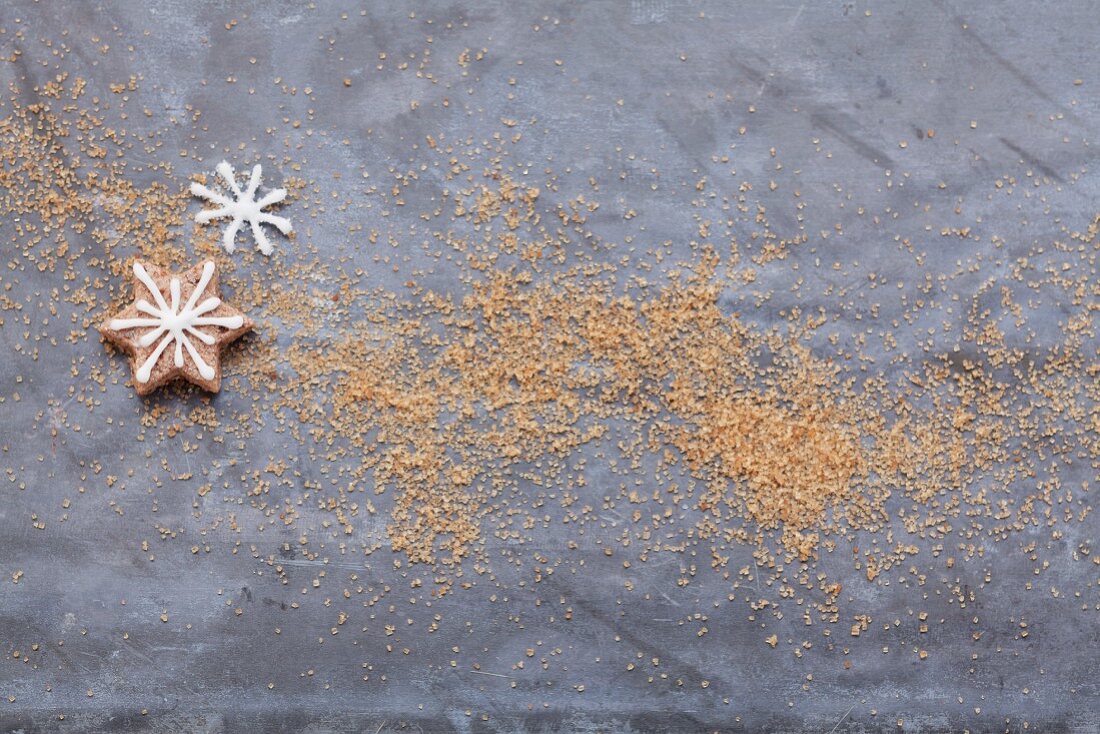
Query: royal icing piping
x=176 y=324
x=245 y=208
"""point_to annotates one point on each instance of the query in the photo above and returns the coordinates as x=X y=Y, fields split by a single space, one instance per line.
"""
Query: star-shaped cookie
x=176 y=327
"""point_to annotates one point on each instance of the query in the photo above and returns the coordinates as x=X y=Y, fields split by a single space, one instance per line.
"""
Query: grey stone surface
x=834 y=90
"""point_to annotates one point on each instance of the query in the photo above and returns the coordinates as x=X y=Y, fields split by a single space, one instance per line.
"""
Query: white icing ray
x=143 y=276
x=205 y=370
x=229 y=322
x=120 y=324
x=244 y=207
x=146 y=370
x=200 y=335
x=177 y=325
x=151 y=336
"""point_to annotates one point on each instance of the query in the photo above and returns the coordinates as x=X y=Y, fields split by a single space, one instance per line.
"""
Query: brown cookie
x=177 y=326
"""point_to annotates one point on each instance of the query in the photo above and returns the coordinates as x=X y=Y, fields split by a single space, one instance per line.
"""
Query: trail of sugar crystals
x=457 y=420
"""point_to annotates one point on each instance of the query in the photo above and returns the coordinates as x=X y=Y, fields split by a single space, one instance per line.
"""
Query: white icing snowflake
x=176 y=324
x=245 y=207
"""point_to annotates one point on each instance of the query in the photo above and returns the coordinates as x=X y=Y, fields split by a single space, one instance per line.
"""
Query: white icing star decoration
x=244 y=207
x=176 y=324
x=202 y=317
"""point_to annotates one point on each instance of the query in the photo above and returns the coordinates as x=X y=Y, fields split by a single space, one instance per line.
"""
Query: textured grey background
x=834 y=90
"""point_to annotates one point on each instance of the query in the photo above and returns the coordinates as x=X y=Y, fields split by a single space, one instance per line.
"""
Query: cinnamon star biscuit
x=177 y=326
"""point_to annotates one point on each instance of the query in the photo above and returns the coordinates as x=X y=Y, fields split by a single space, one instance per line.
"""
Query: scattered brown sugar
x=451 y=403
x=567 y=380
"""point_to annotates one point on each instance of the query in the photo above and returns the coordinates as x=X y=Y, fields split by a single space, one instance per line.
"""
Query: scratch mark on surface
x=863 y=149
x=1032 y=159
x=819 y=118
x=1001 y=61
x=495 y=675
x=842 y=718
x=797 y=15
